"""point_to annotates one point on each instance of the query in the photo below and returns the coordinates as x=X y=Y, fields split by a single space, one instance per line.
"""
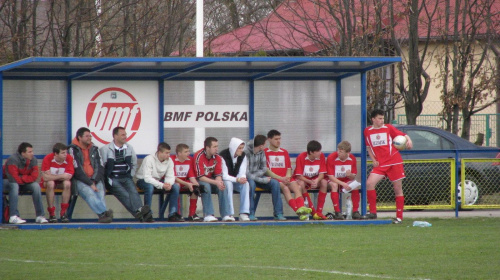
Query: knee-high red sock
x=335 y=201
x=299 y=201
x=292 y=204
x=321 y=201
x=355 y=200
x=400 y=204
x=64 y=207
x=52 y=210
x=192 y=206
x=309 y=200
x=371 y=196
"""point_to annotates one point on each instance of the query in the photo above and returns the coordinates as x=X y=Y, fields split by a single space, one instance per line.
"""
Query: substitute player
x=57 y=170
x=280 y=168
x=387 y=161
x=310 y=169
x=185 y=178
x=341 y=169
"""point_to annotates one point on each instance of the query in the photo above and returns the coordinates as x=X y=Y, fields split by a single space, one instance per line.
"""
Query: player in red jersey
x=57 y=171
x=387 y=161
x=341 y=170
x=185 y=177
x=280 y=168
x=208 y=171
x=310 y=170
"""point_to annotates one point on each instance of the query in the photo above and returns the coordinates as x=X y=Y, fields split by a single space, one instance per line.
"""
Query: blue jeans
x=274 y=186
x=206 y=199
x=172 y=197
x=95 y=200
x=14 y=197
x=244 y=190
x=125 y=191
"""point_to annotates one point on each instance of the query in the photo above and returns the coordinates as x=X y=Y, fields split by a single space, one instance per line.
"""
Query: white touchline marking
x=231 y=266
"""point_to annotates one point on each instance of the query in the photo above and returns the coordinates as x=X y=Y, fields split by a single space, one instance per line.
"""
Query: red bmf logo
x=112 y=107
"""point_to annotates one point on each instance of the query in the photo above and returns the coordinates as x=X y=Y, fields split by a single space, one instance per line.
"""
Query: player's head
x=313 y=146
x=60 y=152
x=162 y=147
x=343 y=150
x=26 y=150
x=119 y=135
x=377 y=116
x=58 y=147
x=274 y=138
x=259 y=140
x=182 y=151
x=345 y=146
x=181 y=147
x=211 y=145
x=83 y=136
x=163 y=151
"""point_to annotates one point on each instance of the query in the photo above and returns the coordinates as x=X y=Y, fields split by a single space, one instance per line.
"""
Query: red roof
x=307 y=26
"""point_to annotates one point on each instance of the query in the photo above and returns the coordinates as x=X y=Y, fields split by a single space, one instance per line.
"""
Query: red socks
x=371 y=196
x=192 y=206
x=321 y=201
x=355 y=200
x=64 y=207
x=293 y=204
x=52 y=210
x=400 y=204
x=299 y=201
x=335 y=201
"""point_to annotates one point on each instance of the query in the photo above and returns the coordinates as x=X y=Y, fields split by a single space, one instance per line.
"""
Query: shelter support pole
x=363 y=146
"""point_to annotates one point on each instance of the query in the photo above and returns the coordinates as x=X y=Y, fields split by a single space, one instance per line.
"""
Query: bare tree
x=467 y=67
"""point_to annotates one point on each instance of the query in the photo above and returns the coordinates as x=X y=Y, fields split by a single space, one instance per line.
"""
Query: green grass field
x=465 y=248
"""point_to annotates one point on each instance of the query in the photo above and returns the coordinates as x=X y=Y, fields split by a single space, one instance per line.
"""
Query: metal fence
x=431 y=184
x=480 y=183
x=487 y=124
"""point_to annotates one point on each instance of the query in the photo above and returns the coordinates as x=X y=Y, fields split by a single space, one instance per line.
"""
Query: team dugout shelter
x=183 y=100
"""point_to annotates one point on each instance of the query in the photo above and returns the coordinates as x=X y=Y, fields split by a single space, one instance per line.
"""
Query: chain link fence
x=479 y=183
x=431 y=184
x=428 y=185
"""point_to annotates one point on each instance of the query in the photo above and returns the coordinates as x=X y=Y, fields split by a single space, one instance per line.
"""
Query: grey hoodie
x=257 y=165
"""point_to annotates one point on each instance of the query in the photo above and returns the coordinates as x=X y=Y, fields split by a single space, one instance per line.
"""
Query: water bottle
x=348 y=205
x=306 y=204
x=421 y=224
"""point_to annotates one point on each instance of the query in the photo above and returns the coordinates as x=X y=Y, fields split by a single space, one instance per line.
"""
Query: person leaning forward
x=89 y=174
x=120 y=164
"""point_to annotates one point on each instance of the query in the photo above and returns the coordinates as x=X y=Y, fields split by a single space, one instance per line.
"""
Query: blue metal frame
x=161 y=110
x=338 y=117
x=69 y=111
x=363 y=146
x=251 y=106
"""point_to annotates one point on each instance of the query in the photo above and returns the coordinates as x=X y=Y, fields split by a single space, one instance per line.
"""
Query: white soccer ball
x=399 y=142
x=471 y=193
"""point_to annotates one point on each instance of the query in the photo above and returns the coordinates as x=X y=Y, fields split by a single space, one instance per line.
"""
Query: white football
x=399 y=142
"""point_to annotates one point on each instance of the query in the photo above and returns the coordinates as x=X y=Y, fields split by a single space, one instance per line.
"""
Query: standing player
x=310 y=169
x=341 y=169
x=57 y=170
x=280 y=168
x=185 y=178
x=387 y=161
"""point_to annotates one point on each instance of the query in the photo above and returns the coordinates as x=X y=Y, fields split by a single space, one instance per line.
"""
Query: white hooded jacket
x=233 y=146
